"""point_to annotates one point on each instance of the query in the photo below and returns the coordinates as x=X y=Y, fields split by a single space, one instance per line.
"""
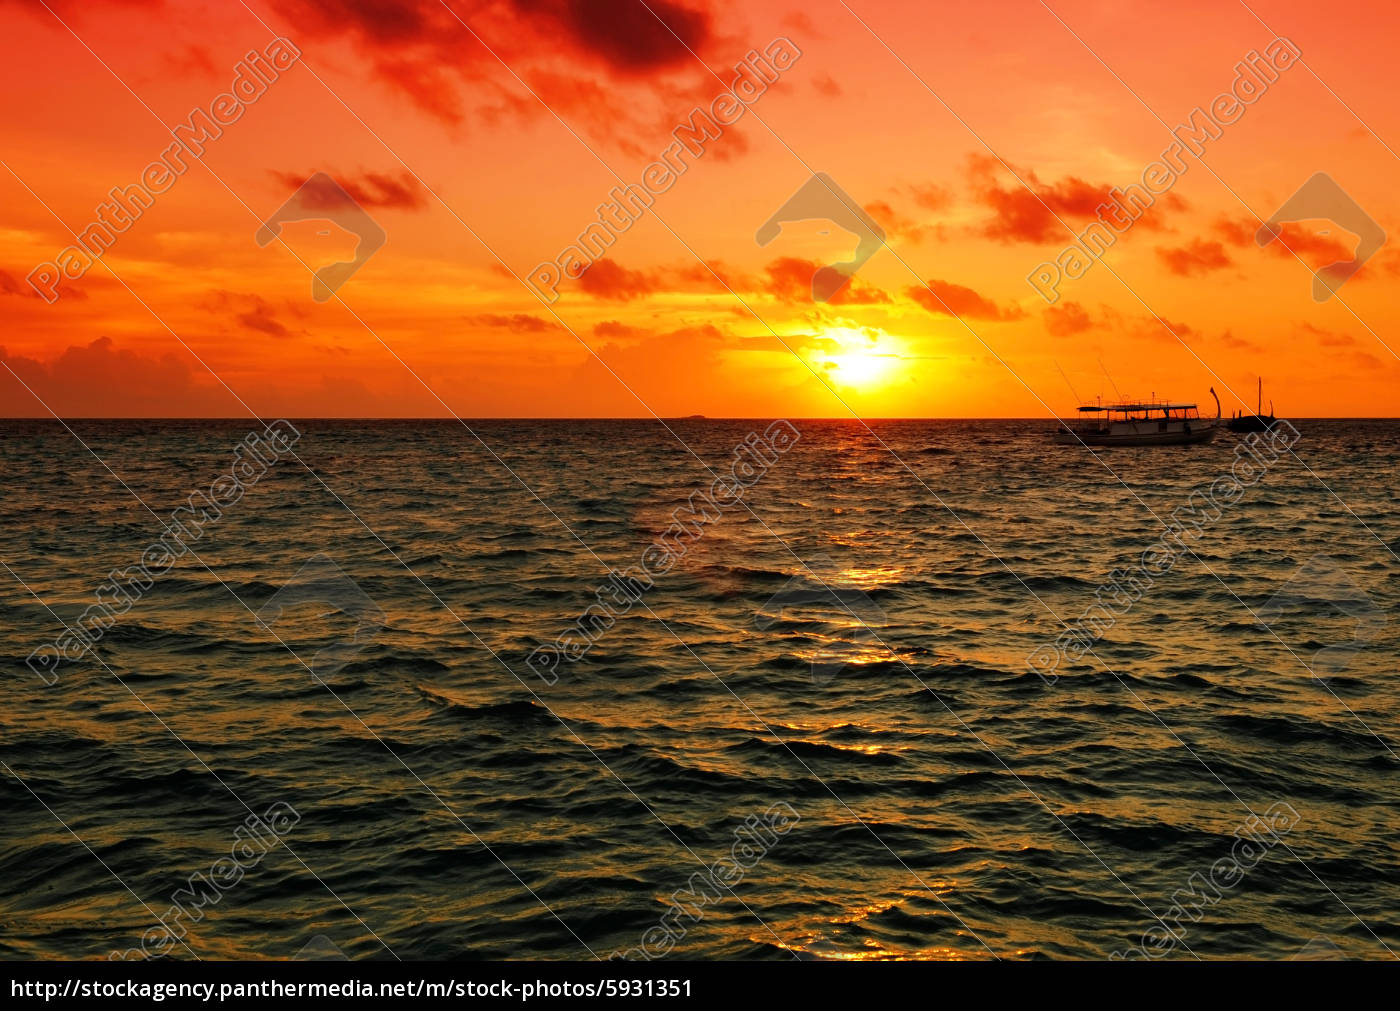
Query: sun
x=856 y=360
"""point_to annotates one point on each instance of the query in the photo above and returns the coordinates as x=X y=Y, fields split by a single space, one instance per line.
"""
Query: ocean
x=564 y=689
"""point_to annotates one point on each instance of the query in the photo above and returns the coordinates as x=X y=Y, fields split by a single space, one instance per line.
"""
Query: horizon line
x=664 y=418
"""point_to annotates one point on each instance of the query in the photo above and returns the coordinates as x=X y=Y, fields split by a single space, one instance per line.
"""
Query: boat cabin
x=1138 y=418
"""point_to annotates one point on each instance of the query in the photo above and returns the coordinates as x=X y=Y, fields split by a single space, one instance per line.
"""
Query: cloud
x=1157 y=326
x=612 y=328
x=1329 y=338
x=1317 y=250
x=943 y=298
x=368 y=189
x=516 y=322
x=1199 y=256
x=607 y=280
x=99 y=380
x=250 y=311
x=627 y=36
x=431 y=55
x=1039 y=212
x=1066 y=320
x=1239 y=343
x=930 y=196
x=790 y=280
x=713 y=276
x=260 y=318
x=1024 y=214
x=895 y=224
x=10 y=285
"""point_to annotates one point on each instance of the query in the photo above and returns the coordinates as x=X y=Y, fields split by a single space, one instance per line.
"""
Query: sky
x=480 y=140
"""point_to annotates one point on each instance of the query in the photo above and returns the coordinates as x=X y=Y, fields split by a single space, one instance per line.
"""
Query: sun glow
x=854 y=359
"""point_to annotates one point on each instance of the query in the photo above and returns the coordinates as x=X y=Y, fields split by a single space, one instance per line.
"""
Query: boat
x=1259 y=422
x=1140 y=423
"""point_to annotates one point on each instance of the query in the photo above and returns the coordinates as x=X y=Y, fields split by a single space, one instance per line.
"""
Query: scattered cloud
x=252 y=312
x=1033 y=211
x=605 y=279
x=1329 y=338
x=515 y=322
x=1067 y=320
x=790 y=280
x=896 y=225
x=1197 y=257
x=99 y=380
x=368 y=189
x=944 y=298
x=1315 y=247
x=930 y=196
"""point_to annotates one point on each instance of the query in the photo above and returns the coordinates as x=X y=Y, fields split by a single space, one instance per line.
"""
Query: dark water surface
x=453 y=805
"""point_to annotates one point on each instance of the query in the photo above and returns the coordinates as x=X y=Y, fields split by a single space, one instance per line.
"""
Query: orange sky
x=437 y=137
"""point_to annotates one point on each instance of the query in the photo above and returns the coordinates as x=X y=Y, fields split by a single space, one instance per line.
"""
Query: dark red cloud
x=607 y=280
x=1199 y=256
x=625 y=35
x=943 y=298
x=252 y=312
x=418 y=47
x=1039 y=212
x=101 y=381
x=1316 y=250
x=895 y=224
x=10 y=285
x=612 y=328
x=714 y=276
x=1067 y=320
x=399 y=191
x=428 y=86
x=260 y=318
x=1029 y=214
x=516 y=322
x=790 y=279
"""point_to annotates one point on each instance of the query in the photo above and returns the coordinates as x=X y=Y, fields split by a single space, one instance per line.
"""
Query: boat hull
x=1179 y=437
x=1252 y=423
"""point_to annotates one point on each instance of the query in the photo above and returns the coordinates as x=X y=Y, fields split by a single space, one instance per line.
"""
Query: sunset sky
x=515 y=122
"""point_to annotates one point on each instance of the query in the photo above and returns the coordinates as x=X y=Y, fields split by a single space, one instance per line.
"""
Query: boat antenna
x=1116 y=391
x=1069 y=384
